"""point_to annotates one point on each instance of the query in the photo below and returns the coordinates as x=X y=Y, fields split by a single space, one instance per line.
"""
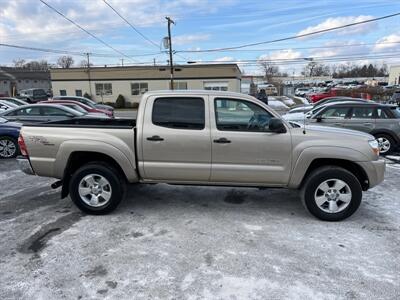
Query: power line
x=42 y=49
x=301 y=35
x=308 y=58
x=83 y=29
x=130 y=24
x=138 y=32
x=294 y=48
x=60 y=51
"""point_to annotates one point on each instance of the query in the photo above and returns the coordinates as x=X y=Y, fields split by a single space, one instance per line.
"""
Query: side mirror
x=276 y=125
x=319 y=119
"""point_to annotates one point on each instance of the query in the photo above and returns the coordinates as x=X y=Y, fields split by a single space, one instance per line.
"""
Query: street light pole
x=88 y=70
x=171 y=63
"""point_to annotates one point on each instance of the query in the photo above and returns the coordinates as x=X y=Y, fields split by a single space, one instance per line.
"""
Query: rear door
x=176 y=139
x=54 y=114
x=386 y=120
x=361 y=118
x=26 y=115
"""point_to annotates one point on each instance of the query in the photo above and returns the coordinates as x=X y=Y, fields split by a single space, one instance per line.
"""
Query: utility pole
x=88 y=70
x=171 y=63
x=122 y=61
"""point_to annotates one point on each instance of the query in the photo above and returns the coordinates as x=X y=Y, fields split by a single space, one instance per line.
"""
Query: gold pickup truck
x=203 y=138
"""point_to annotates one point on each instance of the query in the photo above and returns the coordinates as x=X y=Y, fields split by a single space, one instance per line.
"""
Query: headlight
x=375 y=146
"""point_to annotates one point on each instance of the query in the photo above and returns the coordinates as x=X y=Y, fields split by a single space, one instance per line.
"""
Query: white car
x=303 y=91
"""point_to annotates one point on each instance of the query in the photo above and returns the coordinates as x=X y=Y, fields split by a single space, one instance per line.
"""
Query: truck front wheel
x=96 y=188
x=331 y=193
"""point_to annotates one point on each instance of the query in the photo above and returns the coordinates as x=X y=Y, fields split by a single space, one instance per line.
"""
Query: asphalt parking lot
x=174 y=242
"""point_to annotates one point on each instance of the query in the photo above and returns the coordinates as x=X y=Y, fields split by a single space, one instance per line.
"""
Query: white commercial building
x=104 y=84
x=394 y=75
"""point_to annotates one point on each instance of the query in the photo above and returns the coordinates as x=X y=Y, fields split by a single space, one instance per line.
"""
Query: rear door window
x=29 y=111
x=179 y=113
x=362 y=113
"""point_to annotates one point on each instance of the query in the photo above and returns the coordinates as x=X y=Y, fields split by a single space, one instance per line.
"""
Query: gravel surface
x=174 y=242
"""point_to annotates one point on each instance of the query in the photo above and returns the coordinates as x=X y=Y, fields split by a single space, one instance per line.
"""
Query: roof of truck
x=198 y=92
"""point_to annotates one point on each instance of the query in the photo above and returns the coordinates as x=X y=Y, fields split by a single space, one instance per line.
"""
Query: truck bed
x=89 y=123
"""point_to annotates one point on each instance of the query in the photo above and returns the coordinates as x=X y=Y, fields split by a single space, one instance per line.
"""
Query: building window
x=216 y=85
x=139 y=88
x=104 y=89
x=78 y=93
x=63 y=93
x=180 y=85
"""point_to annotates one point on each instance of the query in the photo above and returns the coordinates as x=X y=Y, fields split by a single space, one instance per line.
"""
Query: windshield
x=87 y=102
x=2 y=121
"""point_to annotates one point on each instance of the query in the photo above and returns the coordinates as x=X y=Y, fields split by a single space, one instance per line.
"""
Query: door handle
x=337 y=124
x=222 y=141
x=367 y=124
x=155 y=138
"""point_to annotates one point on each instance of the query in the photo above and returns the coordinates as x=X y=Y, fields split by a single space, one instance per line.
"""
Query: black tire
x=389 y=139
x=12 y=140
x=115 y=179
x=319 y=176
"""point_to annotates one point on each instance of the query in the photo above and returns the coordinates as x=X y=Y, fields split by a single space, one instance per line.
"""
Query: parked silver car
x=39 y=113
x=380 y=120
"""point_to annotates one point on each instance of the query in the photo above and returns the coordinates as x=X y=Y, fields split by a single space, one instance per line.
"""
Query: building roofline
x=147 y=67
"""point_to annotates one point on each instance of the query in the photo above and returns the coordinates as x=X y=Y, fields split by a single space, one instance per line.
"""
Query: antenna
x=304 y=121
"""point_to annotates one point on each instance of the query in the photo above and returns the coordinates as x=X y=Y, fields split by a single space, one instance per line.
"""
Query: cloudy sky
x=202 y=24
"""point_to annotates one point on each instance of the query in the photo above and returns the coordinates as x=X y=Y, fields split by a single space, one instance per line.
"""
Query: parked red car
x=315 y=97
x=84 y=106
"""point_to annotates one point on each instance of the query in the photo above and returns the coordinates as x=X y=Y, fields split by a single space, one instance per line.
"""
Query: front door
x=175 y=141
x=335 y=116
x=243 y=150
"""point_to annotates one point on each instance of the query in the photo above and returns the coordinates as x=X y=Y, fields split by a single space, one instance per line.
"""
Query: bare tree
x=84 y=64
x=19 y=62
x=270 y=70
x=65 y=62
x=315 y=69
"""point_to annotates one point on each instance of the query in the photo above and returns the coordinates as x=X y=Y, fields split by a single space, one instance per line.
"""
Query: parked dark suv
x=33 y=95
x=395 y=98
x=380 y=120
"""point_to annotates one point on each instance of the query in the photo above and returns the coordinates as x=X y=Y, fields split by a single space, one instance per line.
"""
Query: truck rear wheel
x=331 y=193
x=96 y=188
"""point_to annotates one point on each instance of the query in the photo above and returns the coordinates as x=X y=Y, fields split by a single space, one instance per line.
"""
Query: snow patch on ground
x=253 y=227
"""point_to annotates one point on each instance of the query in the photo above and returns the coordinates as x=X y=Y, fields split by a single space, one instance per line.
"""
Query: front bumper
x=25 y=165
x=375 y=171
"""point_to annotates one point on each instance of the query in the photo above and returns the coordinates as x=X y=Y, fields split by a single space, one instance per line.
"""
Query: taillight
x=22 y=146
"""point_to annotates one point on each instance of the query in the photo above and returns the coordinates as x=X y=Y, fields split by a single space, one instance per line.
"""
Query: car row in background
x=81 y=107
x=108 y=110
x=44 y=112
x=380 y=120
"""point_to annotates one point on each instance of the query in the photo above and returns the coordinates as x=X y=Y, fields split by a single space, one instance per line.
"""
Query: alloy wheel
x=333 y=195
x=384 y=144
x=95 y=190
x=7 y=148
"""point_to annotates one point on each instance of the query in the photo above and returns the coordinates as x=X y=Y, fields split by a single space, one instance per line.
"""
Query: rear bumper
x=375 y=171
x=25 y=165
